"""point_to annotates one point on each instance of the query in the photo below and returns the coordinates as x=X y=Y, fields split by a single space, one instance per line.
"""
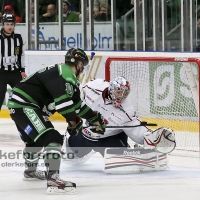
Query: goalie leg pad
x=75 y=149
x=127 y=160
x=162 y=139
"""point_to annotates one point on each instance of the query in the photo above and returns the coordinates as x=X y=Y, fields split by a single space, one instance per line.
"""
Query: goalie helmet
x=119 y=90
x=8 y=18
x=74 y=55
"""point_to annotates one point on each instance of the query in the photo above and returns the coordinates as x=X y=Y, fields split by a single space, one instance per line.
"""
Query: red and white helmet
x=119 y=90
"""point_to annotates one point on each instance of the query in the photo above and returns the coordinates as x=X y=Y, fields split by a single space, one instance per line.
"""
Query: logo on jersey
x=28 y=129
x=35 y=120
x=16 y=50
x=90 y=99
x=45 y=110
x=11 y=111
x=105 y=121
x=111 y=120
x=90 y=134
x=69 y=89
x=10 y=94
x=114 y=115
x=46 y=119
x=99 y=105
x=86 y=132
x=95 y=91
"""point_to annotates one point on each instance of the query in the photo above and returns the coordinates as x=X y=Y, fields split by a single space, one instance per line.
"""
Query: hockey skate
x=56 y=185
x=37 y=175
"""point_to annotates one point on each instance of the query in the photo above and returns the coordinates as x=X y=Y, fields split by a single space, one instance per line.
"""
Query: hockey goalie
x=110 y=99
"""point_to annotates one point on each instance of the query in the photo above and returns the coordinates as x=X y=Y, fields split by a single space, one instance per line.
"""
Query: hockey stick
x=141 y=124
x=93 y=127
x=86 y=69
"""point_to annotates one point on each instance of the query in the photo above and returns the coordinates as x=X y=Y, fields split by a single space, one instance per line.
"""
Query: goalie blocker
x=152 y=157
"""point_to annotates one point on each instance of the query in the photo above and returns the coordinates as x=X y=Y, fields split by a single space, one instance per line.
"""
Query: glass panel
x=48 y=25
x=102 y=27
x=148 y=27
x=125 y=25
x=197 y=26
x=71 y=24
x=174 y=25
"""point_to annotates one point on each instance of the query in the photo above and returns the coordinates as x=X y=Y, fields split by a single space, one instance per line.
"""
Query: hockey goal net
x=164 y=91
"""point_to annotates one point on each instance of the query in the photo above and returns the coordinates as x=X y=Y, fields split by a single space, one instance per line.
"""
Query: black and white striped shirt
x=11 y=52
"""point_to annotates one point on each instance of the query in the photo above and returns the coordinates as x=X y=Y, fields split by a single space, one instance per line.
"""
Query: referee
x=11 y=56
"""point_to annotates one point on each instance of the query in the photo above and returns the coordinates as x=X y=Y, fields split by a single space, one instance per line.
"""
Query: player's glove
x=75 y=130
x=98 y=123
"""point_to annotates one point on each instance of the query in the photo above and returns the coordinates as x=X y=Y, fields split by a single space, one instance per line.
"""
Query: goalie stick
x=141 y=124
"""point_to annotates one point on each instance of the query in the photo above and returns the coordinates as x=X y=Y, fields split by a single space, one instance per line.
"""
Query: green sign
x=170 y=92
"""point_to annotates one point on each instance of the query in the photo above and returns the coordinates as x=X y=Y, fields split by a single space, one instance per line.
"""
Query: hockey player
x=110 y=99
x=54 y=88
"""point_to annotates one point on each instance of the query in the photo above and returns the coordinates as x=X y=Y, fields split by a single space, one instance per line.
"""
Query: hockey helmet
x=8 y=18
x=74 y=55
x=119 y=90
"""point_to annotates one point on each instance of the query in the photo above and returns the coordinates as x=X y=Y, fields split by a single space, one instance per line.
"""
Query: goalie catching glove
x=75 y=130
x=162 y=139
x=97 y=123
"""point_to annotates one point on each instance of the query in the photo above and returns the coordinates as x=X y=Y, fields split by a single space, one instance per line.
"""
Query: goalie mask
x=119 y=90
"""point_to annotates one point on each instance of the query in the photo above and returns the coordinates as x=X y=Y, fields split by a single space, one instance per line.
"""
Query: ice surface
x=180 y=182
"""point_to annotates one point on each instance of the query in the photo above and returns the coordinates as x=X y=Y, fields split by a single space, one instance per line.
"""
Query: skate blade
x=56 y=190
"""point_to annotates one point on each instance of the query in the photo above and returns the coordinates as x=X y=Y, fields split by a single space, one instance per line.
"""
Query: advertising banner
x=49 y=34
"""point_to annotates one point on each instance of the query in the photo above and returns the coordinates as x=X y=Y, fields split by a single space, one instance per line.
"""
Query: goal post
x=164 y=91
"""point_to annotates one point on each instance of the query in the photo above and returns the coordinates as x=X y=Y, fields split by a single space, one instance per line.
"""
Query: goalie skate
x=37 y=175
x=56 y=185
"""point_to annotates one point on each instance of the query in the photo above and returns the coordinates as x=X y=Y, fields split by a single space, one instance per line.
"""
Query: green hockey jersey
x=55 y=88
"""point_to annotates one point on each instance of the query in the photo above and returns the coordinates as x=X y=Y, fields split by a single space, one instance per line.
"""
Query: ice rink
x=180 y=182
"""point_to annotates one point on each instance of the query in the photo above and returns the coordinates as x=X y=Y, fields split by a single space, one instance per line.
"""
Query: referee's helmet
x=8 y=18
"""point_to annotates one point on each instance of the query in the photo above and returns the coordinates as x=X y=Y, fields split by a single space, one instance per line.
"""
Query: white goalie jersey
x=122 y=116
